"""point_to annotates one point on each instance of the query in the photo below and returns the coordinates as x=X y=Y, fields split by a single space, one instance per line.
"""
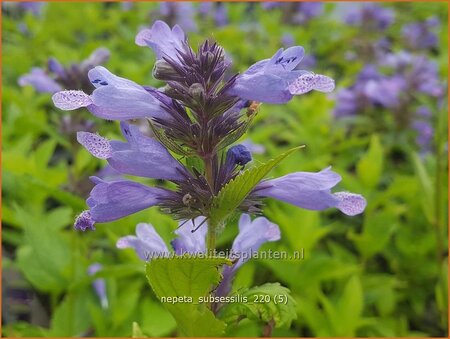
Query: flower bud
x=196 y=90
x=163 y=71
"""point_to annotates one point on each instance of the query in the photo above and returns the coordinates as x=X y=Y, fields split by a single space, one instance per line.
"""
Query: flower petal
x=70 y=100
x=162 y=40
x=350 y=203
x=40 y=81
x=308 y=82
x=113 y=200
x=268 y=88
x=98 y=146
x=97 y=57
x=303 y=189
x=117 y=98
x=286 y=60
x=252 y=234
x=144 y=156
x=147 y=244
x=188 y=241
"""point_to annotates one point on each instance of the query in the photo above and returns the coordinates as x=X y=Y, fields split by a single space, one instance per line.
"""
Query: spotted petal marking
x=70 y=100
x=98 y=146
x=350 y=203
x=308 y=82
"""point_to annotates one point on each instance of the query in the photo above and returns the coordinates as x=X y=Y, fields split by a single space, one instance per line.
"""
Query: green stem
x=212 y=226
x=211 y=237
x=438 y=192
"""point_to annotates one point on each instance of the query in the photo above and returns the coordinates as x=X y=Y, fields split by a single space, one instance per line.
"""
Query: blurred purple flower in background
x=40 y=80
x=410 y=76
x=180 y=13
x=419 y=35
x=34 y=7
x=99 y=284
x=58 y=77
x=369 y=16
x=296 y=13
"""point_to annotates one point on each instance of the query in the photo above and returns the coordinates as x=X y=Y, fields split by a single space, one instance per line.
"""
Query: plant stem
x=438 y=191
x=211 y=237
x=212 y=226
x=209 y=172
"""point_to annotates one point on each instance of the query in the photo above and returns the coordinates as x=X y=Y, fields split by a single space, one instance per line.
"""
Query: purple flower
x=270 y=5
x=307 y=11
x=191 y=237
x=296 y=13
x=221 y=15
x=198 y=115
x=370 y=89
x=181 y=13
x=312 y=191
x=418 y=35
x=277 y=80
x=385 y=91
x=140 y=155
x=40 y=80
x=147 y=243
x=58 y=76
x=252 y=234
x=99 y=285
x=370 y=15
x=112 y=200
x=253 y=148
x=164 y=41
x=114 y=98
x=33 y=7
x=191 y=240
x=287 y=40
x=424 y=132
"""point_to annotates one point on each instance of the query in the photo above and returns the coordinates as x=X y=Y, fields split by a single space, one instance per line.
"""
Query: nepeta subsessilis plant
x=198 y=114
x=196 y=118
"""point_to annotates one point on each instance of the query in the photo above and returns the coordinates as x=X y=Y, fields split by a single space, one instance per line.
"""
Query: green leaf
x=137 y=332
x=349 y=308
x=427 y=190
x=268 y=303
x=234 y=192
x=370 y=167
x=69 y=318
x=377 y=230
x=189 y=278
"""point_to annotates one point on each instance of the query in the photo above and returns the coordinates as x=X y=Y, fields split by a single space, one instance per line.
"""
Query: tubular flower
x=312 y=191
x=277 y=80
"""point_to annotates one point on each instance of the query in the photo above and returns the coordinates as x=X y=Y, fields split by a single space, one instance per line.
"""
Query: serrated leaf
x=267 y=303
x=235 y=191
x=188 y=277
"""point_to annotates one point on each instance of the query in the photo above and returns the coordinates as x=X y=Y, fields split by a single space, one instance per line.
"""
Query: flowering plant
x=196 y=119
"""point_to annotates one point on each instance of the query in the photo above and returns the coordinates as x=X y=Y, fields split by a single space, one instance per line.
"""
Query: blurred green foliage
x=384 y=273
